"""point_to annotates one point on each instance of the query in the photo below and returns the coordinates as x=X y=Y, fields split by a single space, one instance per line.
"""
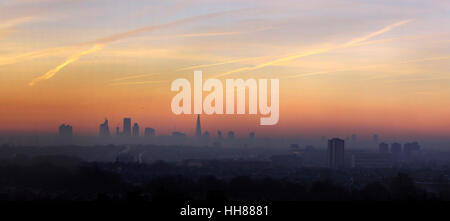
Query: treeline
x=209 y=188
x=63 y=178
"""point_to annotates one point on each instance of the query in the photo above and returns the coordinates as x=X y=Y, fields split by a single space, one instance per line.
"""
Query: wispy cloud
x=15 y=22
x=8 y=26
x=31 y=55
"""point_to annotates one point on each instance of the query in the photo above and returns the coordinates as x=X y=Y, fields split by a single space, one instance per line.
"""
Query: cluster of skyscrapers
x=127 y=130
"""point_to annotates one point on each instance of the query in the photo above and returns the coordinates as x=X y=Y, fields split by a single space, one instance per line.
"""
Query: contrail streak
x=206 y=34
x=101 y=42
x=133 y=77
x=219 y=63
x=373 y=34
x=70 y=60
x=134 y=32
x=135 y=82
x=351 y=43
x=369 y=66
x=30 y=55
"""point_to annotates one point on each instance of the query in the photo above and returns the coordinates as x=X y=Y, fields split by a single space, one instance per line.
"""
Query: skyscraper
x=136 y=130
x=335 y=153
x=104 y=129
x=383 y=148
x=127 y=127
x=198 y=128
x=149 y=132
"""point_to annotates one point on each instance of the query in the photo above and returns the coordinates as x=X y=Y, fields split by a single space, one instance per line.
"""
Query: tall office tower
x=104 y=129
x=127 y=127
x=396 y=150
x=149 y=132
x=375 y=138
x=198 y=128
x=136 y=130
x=117 y=131
x=335 y=153
x=65 y=130
x=383 y=148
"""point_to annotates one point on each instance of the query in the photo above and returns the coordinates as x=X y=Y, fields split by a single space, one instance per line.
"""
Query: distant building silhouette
x=206 y=134
x=117 y=131
x=383 y=148
x=198 y=128
x=104 y=129
x=219 y=134
x=335 y=153
x=410 y=149
x=396 y=150
x=177 y=134
x=230 y=135
x=136 y=130
x=372 y=160
x=294 y=146
x=65 y=130
x=149 y=132
x=126 y=127
x=251 y=135
x=354 y=138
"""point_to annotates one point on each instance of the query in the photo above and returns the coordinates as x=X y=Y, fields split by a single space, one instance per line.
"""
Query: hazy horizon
x=372 y=68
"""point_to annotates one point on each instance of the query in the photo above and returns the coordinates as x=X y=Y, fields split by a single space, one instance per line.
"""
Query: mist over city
x=224 y=109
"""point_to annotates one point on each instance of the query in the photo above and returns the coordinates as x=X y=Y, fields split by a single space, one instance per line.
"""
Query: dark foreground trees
x=63 y=178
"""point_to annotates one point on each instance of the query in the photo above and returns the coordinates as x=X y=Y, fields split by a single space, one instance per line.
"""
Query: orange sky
x=372 y=68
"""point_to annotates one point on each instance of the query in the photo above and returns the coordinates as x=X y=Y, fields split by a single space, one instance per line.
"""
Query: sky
x=345 y=67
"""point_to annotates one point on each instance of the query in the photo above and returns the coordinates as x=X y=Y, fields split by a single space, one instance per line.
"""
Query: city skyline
x=199 y=133
x=132 y=128
x=373 y=68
